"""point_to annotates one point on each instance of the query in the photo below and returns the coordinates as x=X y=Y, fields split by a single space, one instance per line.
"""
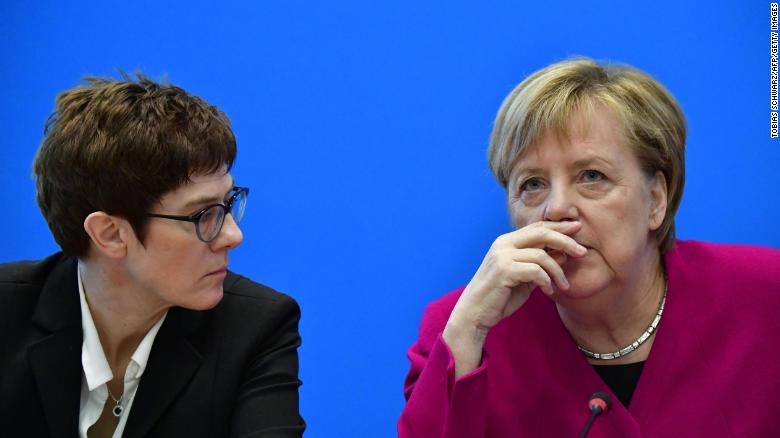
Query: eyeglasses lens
x=211 y=222
x=239 y=204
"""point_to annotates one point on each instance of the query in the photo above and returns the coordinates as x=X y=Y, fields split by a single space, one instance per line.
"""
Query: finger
x=560 y=257
x=531 y=273
x=565 y=227
x=543 y=259
x=540 y=235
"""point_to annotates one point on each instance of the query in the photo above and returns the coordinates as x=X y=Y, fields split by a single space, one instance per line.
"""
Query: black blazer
x=228 y=371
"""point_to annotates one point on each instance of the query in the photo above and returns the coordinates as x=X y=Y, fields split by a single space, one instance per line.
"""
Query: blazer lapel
x=653 y=388
x=55 y=359
x=172 y=363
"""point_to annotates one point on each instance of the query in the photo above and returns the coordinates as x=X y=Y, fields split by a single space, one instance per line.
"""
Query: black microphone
x=599 y=403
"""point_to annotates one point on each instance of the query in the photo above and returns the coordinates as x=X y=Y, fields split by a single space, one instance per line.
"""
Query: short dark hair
x=118 y=145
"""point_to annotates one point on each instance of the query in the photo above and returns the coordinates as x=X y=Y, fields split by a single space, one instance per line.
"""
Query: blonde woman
x=592 y=293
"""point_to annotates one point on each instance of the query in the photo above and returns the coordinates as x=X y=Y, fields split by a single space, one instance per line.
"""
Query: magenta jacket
x=713 y=371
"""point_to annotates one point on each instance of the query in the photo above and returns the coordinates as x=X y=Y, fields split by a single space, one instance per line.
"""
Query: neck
x=617 y=315
x=122 y=314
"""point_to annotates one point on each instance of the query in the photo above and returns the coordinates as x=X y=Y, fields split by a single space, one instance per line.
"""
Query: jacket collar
x=173 y=362
x=55 y=358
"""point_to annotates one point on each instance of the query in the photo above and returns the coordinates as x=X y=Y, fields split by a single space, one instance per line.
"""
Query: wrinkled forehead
x=574 y=131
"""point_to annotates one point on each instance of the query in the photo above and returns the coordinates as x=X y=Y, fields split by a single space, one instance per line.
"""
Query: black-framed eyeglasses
x=208 y=221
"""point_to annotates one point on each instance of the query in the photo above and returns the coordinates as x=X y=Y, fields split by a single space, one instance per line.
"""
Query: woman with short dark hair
x=137 y=328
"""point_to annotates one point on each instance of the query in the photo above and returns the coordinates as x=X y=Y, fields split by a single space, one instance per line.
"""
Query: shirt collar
x=141 y=354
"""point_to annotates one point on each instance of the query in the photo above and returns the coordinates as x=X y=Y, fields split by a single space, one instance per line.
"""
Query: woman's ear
x=658 y=199
x=107 y=234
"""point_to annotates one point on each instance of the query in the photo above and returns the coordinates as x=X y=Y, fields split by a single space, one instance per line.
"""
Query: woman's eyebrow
x=203 y=200
x=526 y=170
x=585 y=162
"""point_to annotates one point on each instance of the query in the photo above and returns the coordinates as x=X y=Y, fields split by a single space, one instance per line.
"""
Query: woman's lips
x=220 y=271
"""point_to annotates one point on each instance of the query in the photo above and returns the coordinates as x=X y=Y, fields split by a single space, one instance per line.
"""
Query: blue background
x=362 y=131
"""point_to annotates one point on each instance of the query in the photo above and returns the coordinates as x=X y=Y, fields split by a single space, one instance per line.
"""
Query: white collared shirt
x=97 y=373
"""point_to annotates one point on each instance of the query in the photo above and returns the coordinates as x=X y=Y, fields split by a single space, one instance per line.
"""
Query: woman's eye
x=531 y=185
x=592 y=176
x=208 y=214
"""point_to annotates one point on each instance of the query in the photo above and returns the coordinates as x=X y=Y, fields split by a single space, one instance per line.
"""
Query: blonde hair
x=546 y=101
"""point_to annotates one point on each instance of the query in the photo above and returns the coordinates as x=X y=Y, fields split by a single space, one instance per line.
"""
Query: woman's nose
x=230 y=236
x=560 y=206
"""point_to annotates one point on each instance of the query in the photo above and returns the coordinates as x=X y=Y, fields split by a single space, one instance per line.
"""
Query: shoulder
x=236 y=285
x=244 y=295
x=23 y=290
x=251 y=315
x=736 y=279
x=29 y=272
x=725 y=251
x=22 y=282
x=744 y=263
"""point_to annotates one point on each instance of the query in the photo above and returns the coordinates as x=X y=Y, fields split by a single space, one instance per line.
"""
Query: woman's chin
x=586 y=277
x=583 y=285
x=574 y=293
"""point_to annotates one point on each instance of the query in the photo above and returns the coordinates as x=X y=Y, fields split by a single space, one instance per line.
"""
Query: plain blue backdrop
x=362 y=131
